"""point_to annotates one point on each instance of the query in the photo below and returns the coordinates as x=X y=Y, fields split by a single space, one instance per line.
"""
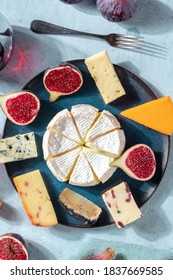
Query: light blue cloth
x=124 y=251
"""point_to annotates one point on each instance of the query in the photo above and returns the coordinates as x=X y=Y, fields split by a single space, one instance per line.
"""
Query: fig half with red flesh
x=63 y=80
x=138 y=162
x=13 y=247
x=20 y=107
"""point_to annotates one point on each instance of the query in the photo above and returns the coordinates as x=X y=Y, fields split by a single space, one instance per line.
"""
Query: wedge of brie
x=63 y=123
x=104 y=124
x=82 y=174
x=84 y=116
x=100 y=164
x=61 y=166
x=112 y=143
x=55 y=144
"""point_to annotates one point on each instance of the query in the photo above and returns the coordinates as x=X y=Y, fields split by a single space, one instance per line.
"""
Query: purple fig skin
x=107 y=254
x=117 y=10
x=18 y=239
x=71 y=1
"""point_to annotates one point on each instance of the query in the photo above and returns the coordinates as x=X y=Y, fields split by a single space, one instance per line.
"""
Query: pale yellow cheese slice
x=35 y=198
x=105 y=76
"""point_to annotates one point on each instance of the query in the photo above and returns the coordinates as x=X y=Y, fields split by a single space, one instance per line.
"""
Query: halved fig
x=13 y=247
x=20 y=107
x=64 y=79
x=138 y=162
x=107 y=254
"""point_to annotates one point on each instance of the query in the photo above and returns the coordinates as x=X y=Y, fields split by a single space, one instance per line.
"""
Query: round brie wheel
x=78 y=146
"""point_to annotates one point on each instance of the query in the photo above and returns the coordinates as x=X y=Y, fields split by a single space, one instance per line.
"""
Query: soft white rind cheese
x=105 y=123
x=121 y=204
x=54 y=144
x=82 y=174
x=100 y=164
x=112 y=143
x=63 y=123
x=62 y=165
x=84 y=116
x=105 y=76
x=18 y=147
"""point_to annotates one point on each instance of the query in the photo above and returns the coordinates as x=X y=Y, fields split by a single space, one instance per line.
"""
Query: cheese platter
x=137 y=93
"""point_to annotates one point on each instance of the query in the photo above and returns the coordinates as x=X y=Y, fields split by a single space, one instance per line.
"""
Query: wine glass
x=6 y=41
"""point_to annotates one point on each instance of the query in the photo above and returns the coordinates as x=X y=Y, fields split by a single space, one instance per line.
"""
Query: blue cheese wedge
x=18 y=147
x=104 y=124
x=105 y=76
x=84 y=116
x=79 y=207
x=121 y=205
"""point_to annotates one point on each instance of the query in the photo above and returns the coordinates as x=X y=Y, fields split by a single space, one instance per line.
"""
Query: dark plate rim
x=151 y=93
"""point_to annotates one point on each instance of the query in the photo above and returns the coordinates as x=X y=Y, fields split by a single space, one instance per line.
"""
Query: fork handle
x=43 y=27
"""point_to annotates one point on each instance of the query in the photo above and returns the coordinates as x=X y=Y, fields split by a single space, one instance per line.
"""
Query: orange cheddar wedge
x=156 y=114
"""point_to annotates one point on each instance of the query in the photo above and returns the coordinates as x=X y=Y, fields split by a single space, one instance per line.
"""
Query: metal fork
x=133 y=43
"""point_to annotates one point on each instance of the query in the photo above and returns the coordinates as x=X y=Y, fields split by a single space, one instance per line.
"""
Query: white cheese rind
x=105 y=123
x=121 y=204
x=82 y=174
x=84 y=115
x=105 y=76
x=63 y=123
x=113 y=142
x=100 y=165
x=54 y=144
x=61 y=166
x=18 y=147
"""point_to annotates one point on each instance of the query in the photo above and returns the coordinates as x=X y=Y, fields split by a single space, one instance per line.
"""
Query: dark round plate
x=136 y=93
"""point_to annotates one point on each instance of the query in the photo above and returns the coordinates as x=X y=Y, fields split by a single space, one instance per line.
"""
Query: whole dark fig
x=117 y=10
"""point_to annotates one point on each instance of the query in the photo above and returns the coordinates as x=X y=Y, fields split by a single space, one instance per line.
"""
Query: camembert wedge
x=35 y=198
x=104 y=124
x=105 y=76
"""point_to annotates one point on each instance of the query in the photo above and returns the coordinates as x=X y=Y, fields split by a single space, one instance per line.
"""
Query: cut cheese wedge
x=82 y=174
x=35 y=198
x=121 y=204
x=156 y=114
x=84 y=116
x=104 y=124
x=100 y=164
x=105 y=76
x=61 y=166
x=63 y=123
x=56 y=144
x=112 y=144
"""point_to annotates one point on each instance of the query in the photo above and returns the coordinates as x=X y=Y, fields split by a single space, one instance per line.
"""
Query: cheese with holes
x=112 y=144
x=100 y=164
x=156 y=114
x=82 y=174
x=18 y=147
x=105 y=123
x=105 y=76
x=35 y=198
x=84 y=116
x=62 y=165
x=55 y=144
x=121 y=205
x=63 y=123
x=80 y=207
